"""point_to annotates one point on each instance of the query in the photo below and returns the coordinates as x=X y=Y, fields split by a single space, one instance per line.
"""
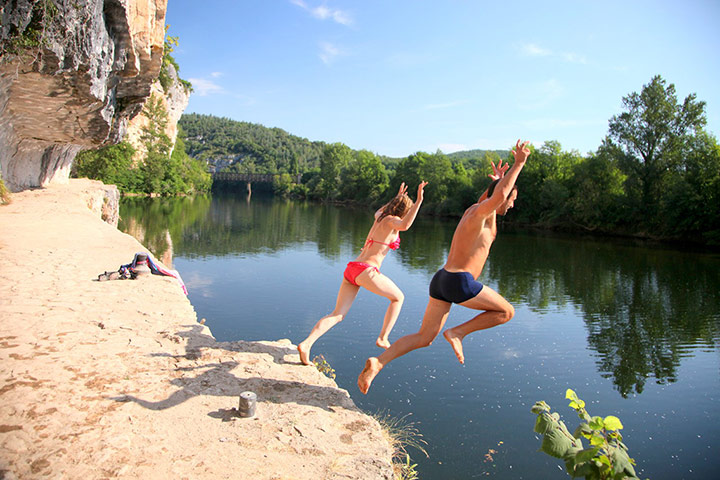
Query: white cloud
x=324 y=13
x=216 y=74
x=574 y=58
x=329 y=52
x=203 y=87
x=200 y=284
x=532 y=50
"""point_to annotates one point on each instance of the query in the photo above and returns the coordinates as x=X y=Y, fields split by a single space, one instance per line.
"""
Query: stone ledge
x=118 y=379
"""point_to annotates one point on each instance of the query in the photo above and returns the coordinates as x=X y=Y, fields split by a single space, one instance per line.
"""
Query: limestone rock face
x=90 y=74
x=175 y=100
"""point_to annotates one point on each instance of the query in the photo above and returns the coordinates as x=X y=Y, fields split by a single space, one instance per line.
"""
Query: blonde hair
x=398 y=207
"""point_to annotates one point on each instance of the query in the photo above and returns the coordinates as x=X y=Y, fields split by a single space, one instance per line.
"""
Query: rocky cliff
x=174 y=100
x=72 y=74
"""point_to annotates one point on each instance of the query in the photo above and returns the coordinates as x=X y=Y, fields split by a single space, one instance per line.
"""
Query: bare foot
x=304 y=354
x=372 y=368
x=456 y=344
x=382 y=343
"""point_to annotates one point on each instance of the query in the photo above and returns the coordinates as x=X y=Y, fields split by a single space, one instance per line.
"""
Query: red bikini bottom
x=354 y=269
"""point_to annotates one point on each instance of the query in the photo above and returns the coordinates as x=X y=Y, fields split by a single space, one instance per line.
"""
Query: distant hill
x=474 y=158
x=226 y=144
x=248 y=147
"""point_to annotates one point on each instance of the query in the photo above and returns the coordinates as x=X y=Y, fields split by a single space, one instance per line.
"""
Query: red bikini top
x=394 y=245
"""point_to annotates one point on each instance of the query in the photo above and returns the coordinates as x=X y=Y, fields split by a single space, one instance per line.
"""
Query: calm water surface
x=633 y=330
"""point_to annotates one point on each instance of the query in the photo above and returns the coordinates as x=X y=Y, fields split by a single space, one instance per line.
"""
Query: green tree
x=597 y=194
x=157 y=147
x=691 y=203
x=479 y=177
x=334 y=158
x=112 y=165
x=364 y=179
x=409 y=170
x=543 y=193
x=654 y=131
x=191 y=177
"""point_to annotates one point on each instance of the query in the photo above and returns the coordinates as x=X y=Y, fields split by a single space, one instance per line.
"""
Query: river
x=632 y=328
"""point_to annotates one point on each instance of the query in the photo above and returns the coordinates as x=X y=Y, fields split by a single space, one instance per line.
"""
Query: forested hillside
x=226 y=144
x=656 y=173
x=231 y=145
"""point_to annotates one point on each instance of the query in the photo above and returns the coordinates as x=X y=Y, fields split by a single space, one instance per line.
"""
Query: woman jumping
x=394 y=217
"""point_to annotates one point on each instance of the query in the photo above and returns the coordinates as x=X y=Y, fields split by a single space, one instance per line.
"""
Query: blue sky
x=400 y=76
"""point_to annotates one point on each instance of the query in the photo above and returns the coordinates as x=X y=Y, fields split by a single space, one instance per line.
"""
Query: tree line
x=656 y=173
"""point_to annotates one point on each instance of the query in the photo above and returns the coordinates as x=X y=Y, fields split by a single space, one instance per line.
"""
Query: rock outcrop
x=72 y=74
x=174 y=101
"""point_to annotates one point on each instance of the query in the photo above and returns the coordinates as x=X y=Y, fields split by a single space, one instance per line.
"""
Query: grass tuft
x=402 y=435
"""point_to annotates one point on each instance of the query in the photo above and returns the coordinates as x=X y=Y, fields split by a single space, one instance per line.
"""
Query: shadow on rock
x=234 y=376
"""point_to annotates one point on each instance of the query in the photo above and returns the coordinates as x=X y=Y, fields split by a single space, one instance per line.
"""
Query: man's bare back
x=471 y=242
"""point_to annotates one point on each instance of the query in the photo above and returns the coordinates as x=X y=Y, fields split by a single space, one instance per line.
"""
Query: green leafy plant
x=324 y=367
x=167 y=60
x=33 y=35
x=407 y=470
x=605 y=459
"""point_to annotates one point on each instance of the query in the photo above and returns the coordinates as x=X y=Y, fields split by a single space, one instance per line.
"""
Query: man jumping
x=456 y=281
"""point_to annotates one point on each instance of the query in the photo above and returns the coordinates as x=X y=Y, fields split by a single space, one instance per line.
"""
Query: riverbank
x=119 y=379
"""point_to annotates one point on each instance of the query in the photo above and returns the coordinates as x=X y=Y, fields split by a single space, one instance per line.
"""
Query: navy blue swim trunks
x=454 y=287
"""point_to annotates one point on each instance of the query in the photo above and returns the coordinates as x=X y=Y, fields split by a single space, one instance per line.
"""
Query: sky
x=400 y=76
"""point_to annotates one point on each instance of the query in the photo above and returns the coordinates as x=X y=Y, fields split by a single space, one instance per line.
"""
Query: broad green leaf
x=579 y=469
x=575 y=403
x=597 y=440
x=586 y=455
x=556 y=444
x=605 y=465
x=622 y=463
x=582 y=430
x=597 y=423
x=613 y=423
x=544 y=423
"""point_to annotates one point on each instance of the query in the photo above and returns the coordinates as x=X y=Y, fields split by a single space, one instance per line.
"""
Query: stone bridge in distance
x=249 y=178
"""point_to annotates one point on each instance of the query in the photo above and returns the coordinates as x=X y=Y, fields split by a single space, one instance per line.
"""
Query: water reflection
x=158 y=223
x=644 y=308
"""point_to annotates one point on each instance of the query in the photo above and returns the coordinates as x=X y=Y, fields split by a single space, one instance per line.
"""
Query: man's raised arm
x=507 y=182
